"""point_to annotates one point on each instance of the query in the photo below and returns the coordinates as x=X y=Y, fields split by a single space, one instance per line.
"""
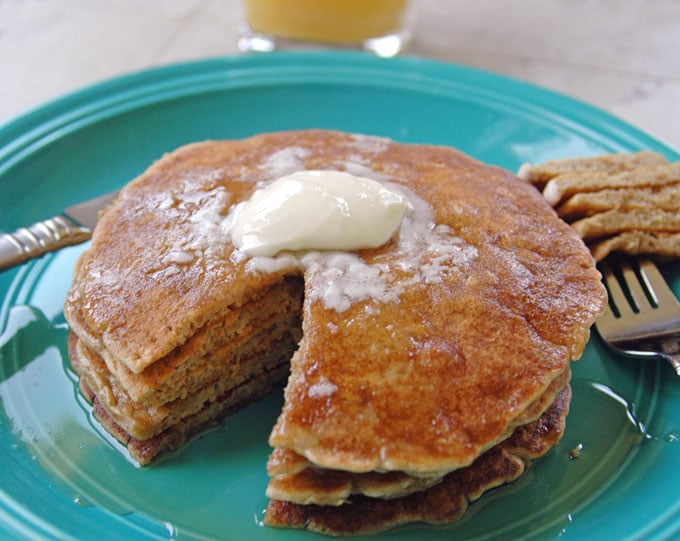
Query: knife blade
x=73 y=226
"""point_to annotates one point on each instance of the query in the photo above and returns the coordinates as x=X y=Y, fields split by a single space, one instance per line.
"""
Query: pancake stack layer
x=420 y=373
x=628 y=203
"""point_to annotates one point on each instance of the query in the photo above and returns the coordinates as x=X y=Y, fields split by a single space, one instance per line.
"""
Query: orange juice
x=341 y=22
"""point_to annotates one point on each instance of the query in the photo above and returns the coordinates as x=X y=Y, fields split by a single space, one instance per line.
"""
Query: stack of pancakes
x=420 y=373
x=156 y=404
x=623 y=202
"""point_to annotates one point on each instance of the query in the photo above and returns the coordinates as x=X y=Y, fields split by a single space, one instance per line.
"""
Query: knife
x=73 y=226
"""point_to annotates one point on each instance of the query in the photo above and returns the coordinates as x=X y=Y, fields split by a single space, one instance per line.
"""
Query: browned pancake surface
x=443 y=372
x=295 y=479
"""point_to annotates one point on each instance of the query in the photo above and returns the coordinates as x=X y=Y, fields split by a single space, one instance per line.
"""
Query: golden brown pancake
x=625 y=203
x=585 y=204
x=613 y=222
x=295 y=479
x=540 y=174
x=638 y=243
x=443 y=503
x=416 y=357
x=263 y=374
x=563 y=186
x=210 y=354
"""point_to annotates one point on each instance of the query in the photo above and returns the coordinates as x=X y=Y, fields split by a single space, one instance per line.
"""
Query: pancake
x=271 y=376
x=585 y=204
x=665 y=245
x=195 y=363
x=563 y=186
x=295 y=479
x=411 y=360
x=626 y=203
x=613 y=222
x=539 y=175
x=442 y=503
x=261 y=354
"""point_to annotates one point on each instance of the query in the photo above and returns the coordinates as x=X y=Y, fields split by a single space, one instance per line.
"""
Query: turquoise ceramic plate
x=61 y=478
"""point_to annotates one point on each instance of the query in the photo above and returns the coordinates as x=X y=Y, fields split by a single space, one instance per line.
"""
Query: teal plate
x=60 y=477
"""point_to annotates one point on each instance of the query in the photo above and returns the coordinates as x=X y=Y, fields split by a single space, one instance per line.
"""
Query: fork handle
x=38 y=239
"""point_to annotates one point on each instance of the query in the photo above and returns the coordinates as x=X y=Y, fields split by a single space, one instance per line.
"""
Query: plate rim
x=105 y=96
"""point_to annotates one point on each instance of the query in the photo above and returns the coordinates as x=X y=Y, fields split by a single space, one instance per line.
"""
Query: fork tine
x=649 y=329
x=656 y=284
x=635 y=288
x=616 y=294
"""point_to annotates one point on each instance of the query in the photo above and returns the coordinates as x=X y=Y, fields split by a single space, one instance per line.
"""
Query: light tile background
x=620 y=55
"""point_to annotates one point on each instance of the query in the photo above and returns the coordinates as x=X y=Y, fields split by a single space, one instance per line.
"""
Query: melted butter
x=425 y=253
x=317 y=210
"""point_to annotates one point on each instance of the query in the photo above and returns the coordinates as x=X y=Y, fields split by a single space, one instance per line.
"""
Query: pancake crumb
x=575 y=452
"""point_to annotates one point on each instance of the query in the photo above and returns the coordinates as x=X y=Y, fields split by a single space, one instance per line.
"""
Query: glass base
x=385 y=46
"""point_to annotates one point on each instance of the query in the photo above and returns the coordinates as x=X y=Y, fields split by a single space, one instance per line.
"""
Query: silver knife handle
x=40 y=238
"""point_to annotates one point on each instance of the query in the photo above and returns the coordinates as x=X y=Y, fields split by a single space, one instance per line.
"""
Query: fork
x=643 y=316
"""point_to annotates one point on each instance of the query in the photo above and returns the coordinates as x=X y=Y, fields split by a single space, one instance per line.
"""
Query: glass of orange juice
x=379 y=26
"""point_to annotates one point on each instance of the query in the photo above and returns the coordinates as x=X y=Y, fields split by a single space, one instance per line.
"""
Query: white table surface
x=620 y=55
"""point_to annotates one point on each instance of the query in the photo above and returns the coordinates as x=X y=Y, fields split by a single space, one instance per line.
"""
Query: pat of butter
x=317 y=210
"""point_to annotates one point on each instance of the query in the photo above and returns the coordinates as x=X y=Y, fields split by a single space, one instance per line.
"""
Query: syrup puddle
x=629 y=407
x=606 y=437
x=603 y=428
x=606 y=415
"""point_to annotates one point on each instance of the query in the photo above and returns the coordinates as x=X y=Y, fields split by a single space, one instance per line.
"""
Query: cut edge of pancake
x=184 y=430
